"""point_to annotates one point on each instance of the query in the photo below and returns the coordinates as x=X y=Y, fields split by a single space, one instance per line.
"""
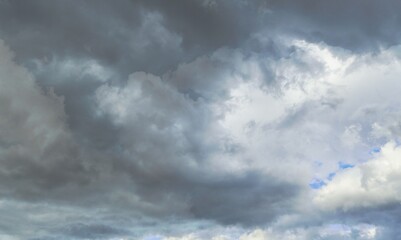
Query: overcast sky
x=200 y=119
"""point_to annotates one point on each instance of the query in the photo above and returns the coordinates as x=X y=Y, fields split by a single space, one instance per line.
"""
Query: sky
x=200 y=120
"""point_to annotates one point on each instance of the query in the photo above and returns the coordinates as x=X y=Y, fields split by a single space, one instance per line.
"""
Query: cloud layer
x=200 y=119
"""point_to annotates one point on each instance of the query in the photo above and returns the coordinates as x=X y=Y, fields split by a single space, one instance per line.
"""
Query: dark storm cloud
x=116 y=109
x=357 y=25
x=123 y=36
x=208 y=24
x=160 y=173
x=243 y=201
x=155 y=36
x=85 y=231
x=107 y=31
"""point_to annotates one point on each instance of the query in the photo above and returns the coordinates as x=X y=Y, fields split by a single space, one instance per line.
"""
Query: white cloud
x=186 y=237
x=222 y=102
x=371 y=184
x=257 y=234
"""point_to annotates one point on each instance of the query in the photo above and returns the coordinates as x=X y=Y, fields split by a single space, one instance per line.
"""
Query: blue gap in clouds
x=375 y=150
x=342 y=165
x=317 y=183
x=331 y=176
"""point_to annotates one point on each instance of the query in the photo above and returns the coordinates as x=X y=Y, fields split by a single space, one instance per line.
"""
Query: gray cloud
x=356 y=25
x=159 y=166
x=145 y=119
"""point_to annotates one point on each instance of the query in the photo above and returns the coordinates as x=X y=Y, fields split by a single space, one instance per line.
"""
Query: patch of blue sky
x=375 y=150
x=317 y=183
x=342 y=165
x=331 y=176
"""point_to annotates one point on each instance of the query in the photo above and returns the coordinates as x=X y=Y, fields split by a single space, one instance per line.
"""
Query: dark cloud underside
x=143 y=119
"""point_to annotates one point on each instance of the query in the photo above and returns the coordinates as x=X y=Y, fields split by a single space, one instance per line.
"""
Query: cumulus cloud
x=35 y=141
x=370 y=184
x=178 y=143
x=195 y=120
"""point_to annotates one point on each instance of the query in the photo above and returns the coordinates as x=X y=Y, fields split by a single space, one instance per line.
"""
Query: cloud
x=367 y=185
x=358 y=25
x=170 y=147
x=192 y=144
x=325 y=232
x=255 y=235
x=35 y=141
x=199 y=120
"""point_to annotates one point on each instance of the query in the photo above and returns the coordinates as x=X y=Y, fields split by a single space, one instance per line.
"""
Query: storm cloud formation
x=200 y=119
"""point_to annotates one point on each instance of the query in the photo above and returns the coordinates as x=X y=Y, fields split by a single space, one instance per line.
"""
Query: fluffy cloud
x=182 y=143
x=199 y=120
x=35 y=141
x=370 y=184
x=193 y=148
